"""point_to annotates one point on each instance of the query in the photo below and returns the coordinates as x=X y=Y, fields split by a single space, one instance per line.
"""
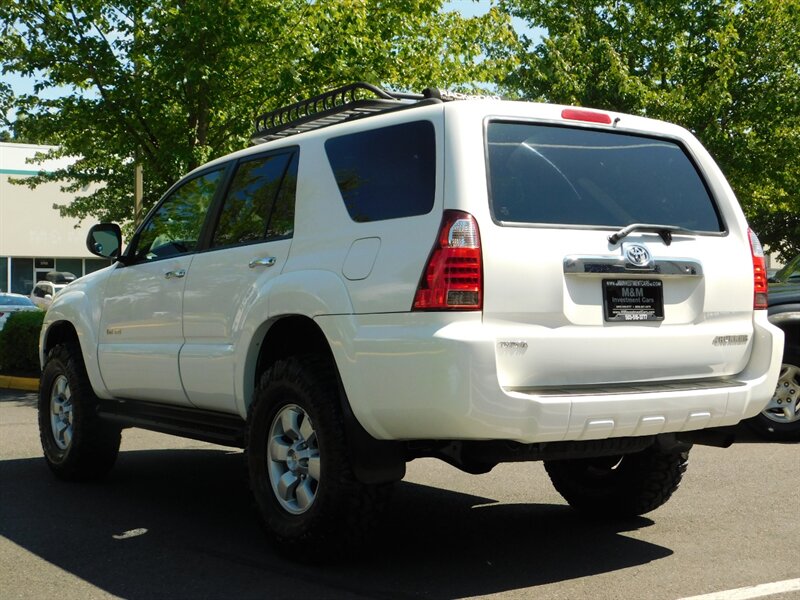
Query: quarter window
x=386 y=173
x=260 y=202
x=175 y=226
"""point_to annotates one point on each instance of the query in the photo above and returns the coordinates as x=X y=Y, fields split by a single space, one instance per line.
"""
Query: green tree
x=729 y=70
x=173 y=83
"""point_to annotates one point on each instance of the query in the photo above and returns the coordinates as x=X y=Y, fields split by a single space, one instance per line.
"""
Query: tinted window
x=175 y=227
x=561 y=175
x=260 y=201
x=386 y=173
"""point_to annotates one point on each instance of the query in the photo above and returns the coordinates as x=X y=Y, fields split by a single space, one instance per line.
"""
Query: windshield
x=575 y=176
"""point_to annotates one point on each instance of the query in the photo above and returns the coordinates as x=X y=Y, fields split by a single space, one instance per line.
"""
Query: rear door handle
x=267 y=261
x=175 y=274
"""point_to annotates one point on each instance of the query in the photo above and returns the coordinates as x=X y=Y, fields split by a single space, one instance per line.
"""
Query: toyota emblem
x=637 y=255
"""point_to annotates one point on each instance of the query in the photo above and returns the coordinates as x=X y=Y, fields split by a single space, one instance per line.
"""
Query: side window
x=259 y=204
x=386 y=173
x=175 y=227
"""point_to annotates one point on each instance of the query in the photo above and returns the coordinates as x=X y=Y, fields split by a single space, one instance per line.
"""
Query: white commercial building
x=34 y=237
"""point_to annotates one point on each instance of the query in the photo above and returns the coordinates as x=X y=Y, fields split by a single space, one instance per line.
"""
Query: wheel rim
x=61 y=412
x=785 y=404
x=293 y=459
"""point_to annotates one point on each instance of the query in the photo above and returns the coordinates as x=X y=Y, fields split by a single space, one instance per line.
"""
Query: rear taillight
x=453 y=277
x=759 y=272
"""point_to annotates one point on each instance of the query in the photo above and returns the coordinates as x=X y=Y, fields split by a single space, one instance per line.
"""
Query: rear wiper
x=665 y=231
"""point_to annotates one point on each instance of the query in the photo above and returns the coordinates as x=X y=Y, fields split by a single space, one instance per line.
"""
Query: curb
x=26 y=384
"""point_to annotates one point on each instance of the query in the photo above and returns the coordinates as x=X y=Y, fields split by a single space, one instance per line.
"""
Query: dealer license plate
x=633 y=299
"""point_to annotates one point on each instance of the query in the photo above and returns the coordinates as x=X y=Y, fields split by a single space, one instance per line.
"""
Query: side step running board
x=204 y=425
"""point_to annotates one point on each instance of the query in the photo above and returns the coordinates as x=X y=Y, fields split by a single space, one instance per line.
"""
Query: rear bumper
x=434 y=376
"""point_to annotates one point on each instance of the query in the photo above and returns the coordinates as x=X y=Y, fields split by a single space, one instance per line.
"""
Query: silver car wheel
x=785 y=404
x=61 y=412
x=293 y=459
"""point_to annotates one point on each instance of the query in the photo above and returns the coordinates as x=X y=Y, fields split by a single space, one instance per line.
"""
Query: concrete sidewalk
x=28 y=384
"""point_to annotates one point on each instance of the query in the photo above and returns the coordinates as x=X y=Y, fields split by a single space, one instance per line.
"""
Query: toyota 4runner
x=384 y=276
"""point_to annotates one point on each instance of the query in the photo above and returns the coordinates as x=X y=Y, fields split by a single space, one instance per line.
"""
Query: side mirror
x=105 y=240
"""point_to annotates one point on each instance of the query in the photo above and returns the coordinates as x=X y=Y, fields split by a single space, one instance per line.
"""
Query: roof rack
x=346 y=103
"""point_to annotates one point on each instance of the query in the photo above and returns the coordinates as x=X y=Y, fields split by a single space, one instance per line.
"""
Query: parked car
x=44 y=291
x=384 y=277
x=781 y=418
x=11 y=303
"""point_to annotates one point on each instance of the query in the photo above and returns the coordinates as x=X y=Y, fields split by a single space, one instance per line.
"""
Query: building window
x=3 y=274
x=22 y=275
x=70 y=265
x=95 y=264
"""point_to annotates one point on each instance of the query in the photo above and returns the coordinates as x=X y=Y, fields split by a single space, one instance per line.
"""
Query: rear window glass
x=385 y=173
x=14 y=301
x=568 y=176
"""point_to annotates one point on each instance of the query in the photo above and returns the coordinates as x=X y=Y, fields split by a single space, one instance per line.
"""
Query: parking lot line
x=754 y=591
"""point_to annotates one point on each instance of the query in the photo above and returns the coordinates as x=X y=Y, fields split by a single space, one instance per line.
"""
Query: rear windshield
x=15 y=301
x=568 y=176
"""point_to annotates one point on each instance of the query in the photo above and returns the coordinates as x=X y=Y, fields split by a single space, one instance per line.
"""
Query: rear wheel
x=780 y=420
x=77 y=445
x=306 y=493
x=627 y=485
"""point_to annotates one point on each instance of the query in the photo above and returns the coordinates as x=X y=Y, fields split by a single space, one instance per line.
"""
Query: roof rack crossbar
x=352 y=101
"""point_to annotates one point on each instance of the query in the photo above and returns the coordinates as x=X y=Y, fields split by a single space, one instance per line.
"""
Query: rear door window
x=259 y=204
x=386 y=173
x=553 y=175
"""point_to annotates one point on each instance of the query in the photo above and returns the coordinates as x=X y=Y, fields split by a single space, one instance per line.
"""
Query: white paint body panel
x=222 y=290
x=141 y=331
x=430 y=376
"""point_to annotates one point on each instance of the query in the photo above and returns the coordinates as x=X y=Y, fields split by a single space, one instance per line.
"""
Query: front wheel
x=77 y=445
x=624 y=486
x=308 y=498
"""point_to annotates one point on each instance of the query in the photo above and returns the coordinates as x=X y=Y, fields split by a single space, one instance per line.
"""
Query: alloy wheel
x=293 y=459
x=61 y=412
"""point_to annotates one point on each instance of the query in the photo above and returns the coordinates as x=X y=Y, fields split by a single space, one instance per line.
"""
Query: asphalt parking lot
x=174 y=520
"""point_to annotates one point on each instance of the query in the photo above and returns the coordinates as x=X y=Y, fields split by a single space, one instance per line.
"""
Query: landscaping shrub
x=19 y=343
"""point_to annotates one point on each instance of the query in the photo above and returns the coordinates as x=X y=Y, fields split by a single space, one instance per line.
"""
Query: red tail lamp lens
x=453 y=277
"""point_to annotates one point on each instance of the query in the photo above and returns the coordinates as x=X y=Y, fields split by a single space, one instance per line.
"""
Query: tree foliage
x=173 y=83
x=729 y=70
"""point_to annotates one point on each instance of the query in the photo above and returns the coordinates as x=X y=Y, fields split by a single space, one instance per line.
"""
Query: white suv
x=383 y=277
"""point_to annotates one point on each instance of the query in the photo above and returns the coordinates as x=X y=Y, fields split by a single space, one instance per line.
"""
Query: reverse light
x=760 y=294
x=453 y=276
x=590 y=116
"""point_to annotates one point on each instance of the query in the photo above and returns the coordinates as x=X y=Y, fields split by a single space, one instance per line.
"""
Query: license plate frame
x=633 y=300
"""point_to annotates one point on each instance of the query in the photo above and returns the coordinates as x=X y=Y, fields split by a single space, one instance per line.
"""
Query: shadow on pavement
x=179 y=524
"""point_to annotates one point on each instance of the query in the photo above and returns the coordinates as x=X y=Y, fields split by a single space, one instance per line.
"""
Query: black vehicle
x=781 y=419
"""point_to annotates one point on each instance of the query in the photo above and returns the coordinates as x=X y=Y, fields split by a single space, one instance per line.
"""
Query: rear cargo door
x=669 y=297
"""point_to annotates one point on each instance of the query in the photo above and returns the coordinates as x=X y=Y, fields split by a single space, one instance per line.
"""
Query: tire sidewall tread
x=95 y=444
x=344 y=509
x=643 y=482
